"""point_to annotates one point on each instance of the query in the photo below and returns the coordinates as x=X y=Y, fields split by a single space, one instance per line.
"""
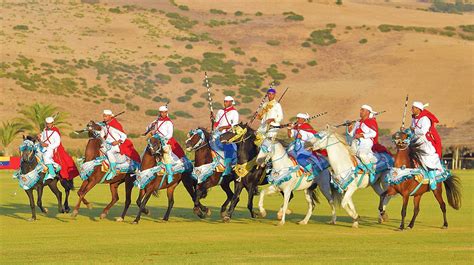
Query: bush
x=184 y=98
x=273 y=72
x=115 y=10
x=162 y=78
x=217 y=105
x=20 y=27
x=116 y=100
x=190 y=92
x=238 y=13
x=218 y=12
x=258 y=14
x=254 y=59
x=330 y=25
x=363 y=41
x=183 y=114
x=187 y=80
x=232 y=42
x=152 y=112
x=238 y=50
x=198 y=104
x=295 y=70
x=229 y=93
x=312 y=63
x=180 y=22
x=273 y=42
x=183 y=7
x=467 y=28
x=244 y=111
x=188 y=46
x=175 y=70
x=322 y=37
x=161 y=99
x=132 y=107
x=247 y=99
x=339 y=2
x=291 y=16
x=450 y=28
x=306 y=44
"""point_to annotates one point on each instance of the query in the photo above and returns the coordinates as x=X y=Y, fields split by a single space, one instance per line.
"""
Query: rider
x=271 y=115
x=426 y=136
x=54 y=151
x=116 y=142
x=302 y=131
x=364 y=134
x=226 y=118
x=163 y=126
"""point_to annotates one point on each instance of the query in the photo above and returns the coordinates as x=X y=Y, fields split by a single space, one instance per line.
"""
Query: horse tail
x=336 y=196
x=315 y=196
x=453 y=191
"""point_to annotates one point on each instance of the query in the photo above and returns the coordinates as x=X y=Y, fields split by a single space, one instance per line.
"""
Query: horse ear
x=328 y=126
x=24 y=137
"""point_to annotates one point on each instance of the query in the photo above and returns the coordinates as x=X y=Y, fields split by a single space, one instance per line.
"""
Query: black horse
x=28 y=164
x=252 y=175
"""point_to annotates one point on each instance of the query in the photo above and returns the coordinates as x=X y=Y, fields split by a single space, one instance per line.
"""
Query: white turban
x=108 y=112
x=418 y=104
x=369 y=108
x=228 y=98
x=49 y=120
x=303 y=116
x=163 y=108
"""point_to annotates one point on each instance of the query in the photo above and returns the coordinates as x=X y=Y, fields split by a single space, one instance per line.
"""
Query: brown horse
x=405 y=157
x=92 y=152
x=198 y=142
x=154 y=154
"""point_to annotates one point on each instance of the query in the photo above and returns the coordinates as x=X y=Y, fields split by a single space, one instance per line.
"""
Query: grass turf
x=60 y=239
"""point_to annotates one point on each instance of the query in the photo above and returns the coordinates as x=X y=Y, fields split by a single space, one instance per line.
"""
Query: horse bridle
x=151 y=146
x=30 y=146
x=202 y=139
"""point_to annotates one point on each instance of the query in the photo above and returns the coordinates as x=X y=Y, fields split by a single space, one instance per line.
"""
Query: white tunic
x=276 y=113
x=53 y=140
x=429 y=158
x=227 y=118
x=363 y=145
x=305 y=136
x=110 y=134
x=164 y=128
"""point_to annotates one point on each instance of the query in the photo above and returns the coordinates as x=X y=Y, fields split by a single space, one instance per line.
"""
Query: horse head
x=266 y=152
x=155 y=145
x=197 y=139
x=238 y=133
x=402 y=139
x=320 y=140
x=28 y=150
x=93 y=128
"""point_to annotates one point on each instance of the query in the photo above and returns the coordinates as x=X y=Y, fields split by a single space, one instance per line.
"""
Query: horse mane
x=343 y=141
x=31 y=138
x=206 y=133
x=415 y=152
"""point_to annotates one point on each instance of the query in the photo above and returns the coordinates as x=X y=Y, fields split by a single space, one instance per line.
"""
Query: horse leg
x=32 y=204
x=115 y=198
x=286 y=199
x=310 y=207
x=143 y=204
x=251 y=193
x=348 y=205
x=238 y=187
x=325 y=187
x=416 y=210
x=128 y=197
x=199 y=209
x=67 y=189
x=383 y=200
x=438 y=193
x=53 y=186
x=228 y=191
x=81 y=190
x=82 y=194
x=170 y=194
x=271 y=189
x=189 y=185
x=406 y=197
x=288 y=210
x=39 y=200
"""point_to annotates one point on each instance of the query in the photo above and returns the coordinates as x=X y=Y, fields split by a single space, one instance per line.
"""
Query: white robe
x=429 y=158
x=363 y=146
x=276 y=113
x=53 y=140
x=110 y=135
x=230 y=118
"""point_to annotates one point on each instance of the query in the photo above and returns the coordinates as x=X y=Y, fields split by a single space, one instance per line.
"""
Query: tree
x=35 y=114
x=8 y=131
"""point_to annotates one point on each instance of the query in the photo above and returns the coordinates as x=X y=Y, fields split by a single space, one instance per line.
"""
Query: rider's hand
x=269 y=121
x=359 y=135
x=114 y=143
x=44 y=144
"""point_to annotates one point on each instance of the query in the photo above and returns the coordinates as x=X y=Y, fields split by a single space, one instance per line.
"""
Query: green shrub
x=180 y=22
x=258 y=14
x=20 y=27
x=244 y=111
x=161 y=99
x=247 y=99
x=273 y=42
x=217 y=12
x=198 y=104
x=348 y=28
x=190 y=92
x=312 y=63
x=330 y=25
x=175 y=70
x=292 y=16
x=183 y=7
x=232 y=42
x=295 y=70
x=184 y=98
x=450 y=28
x=238 y=13
x=217 y=105
x=116 y=100
x=132 y=107
x=182 y=114
x=152 y=112
x=467 y=28
x=227 y=92
x=339 y=2
x=237 y=50
x=187 y=80
x=254 y=59
x=363 y=41
x=275 y=75
x=306 y=44
x=188 y=46
x=322 y=37
x=115 y=10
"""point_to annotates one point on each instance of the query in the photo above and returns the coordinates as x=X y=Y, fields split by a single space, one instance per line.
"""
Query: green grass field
x=60 y=239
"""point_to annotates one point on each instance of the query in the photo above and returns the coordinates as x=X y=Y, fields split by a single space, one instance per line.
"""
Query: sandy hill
x=136 y=55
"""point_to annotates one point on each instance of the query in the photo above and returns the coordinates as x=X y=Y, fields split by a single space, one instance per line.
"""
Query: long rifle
x=347 y=123
x=282 y=95
x=294 y=123
x=85 y=129
x=404 y=112
x=209 y=99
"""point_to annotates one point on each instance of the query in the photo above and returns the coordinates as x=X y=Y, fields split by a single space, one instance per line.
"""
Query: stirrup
x=51 y=174
x=111 y=172
x=169 y=172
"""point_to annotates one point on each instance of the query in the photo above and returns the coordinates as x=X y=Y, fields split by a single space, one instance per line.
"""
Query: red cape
x=432 y=135
x=372 y=124
x=126 y=148
x=175 y=147
x=68 y=167
x=308 y=128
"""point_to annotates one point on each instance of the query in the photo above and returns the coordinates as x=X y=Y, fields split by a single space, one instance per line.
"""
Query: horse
x=252 y=175
x=152 y=167
x=199 y=142
x=409 y=186
x=286 y=176
x=343 y=163
x=96 y=175
x=30 y=167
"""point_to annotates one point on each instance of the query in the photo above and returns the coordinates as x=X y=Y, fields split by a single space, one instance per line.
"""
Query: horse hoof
x=279 y=215
x=135 y=222
x=355 y=225
x=226 y=219
x=409 y=228
x=119 y=219
x=208 y=212
x=302 y=222
x=75 y=213
x=280 y=223
x=380 y=220
x=31 y=219
x=223 y=214
x=332 y=222
x=90 y=206
x=102 y=215
x=385 y=217
x=289 y=211
x=444 y=227
x=262 y=213
x=67 y=210
x=146 y=212
x=45 y=210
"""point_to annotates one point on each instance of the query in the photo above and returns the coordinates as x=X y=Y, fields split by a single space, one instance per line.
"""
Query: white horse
x=286 y=178
x=343 y=163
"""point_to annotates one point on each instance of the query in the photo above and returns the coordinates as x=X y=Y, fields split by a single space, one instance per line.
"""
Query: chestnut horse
x=152 y=156
x=91 y=153
x=404 y=158
x=199 y=142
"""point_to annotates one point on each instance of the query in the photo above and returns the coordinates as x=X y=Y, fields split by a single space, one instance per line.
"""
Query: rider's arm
x=54 y=140
x=168 y=130
x=423 y=126
x=367 y=132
